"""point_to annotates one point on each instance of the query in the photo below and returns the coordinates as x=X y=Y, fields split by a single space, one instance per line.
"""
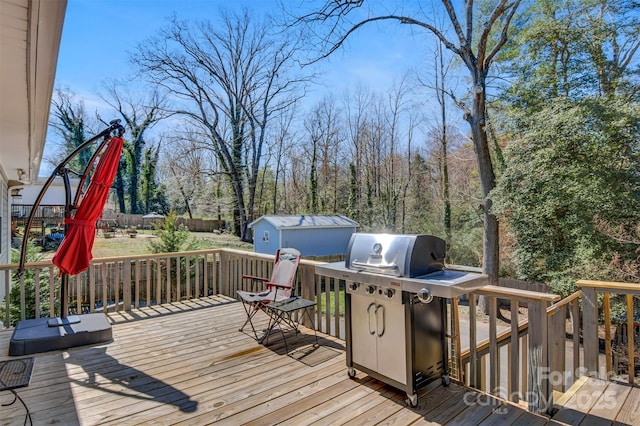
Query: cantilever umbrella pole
x=62 y=171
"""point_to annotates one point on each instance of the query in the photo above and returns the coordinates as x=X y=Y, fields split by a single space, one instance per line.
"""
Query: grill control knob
x=353 y=286
x=370 y=289
x=424 y=295
x=389 y=292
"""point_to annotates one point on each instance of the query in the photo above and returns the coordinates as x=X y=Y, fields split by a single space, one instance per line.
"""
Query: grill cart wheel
x=412 y=400
x=446 y=381
x=351 y=372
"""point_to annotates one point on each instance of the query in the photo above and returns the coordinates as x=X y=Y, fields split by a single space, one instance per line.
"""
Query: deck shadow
x=142 y=386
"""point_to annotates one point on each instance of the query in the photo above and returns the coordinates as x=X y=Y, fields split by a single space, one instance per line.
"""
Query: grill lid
x=397 y=255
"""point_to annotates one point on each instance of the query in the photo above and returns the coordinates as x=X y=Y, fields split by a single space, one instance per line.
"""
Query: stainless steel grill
x=397 y=288
x=397 y=255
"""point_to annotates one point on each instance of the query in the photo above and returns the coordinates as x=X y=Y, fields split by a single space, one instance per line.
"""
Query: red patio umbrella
x=74 y=253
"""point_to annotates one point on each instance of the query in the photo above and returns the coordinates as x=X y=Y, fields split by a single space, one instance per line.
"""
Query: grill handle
x=372 y=331
x=380 y=333
x=377 y=266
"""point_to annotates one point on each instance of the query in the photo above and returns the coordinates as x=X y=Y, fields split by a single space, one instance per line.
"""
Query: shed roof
x=307 y=221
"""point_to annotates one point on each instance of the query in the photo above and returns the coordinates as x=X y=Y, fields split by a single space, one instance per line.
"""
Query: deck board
x=187 y=363
x=600 y=402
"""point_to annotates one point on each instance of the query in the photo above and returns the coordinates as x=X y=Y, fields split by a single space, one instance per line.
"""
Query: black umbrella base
x=46 y=334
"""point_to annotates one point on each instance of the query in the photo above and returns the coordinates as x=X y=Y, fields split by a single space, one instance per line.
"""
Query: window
x=265 y=237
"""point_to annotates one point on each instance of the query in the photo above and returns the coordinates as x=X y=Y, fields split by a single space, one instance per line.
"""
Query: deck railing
x=510 y=363
x=111 y=284
x=524 y=361
x=627 y=292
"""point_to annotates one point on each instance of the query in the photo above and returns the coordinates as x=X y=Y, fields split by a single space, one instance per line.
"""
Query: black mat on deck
x=15 y=373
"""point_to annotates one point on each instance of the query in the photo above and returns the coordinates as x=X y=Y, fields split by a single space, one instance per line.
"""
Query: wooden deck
x=599 y=402
x=186 y=363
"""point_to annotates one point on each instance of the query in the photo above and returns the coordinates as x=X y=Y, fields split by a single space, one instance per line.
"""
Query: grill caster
x=446 y=381
x=412 y=400
x=351 y=372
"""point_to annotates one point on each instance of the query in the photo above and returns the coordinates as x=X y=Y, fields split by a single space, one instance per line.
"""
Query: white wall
x=54 y=194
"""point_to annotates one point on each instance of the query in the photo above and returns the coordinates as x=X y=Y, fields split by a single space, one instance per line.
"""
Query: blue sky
x=99 y=34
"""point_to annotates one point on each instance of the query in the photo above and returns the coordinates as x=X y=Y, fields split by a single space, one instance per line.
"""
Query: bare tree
x=476 y=47
x=70 y=122
x=356 y=107
x=324 y=132
x=230 y=78
x=139 y=115
x=282 y=138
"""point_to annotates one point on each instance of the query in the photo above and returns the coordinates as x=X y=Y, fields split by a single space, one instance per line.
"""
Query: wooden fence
x=121 y=220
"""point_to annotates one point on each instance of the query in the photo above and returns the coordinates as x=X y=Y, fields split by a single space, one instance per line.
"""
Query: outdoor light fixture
x=21 y=174
x=15 y=193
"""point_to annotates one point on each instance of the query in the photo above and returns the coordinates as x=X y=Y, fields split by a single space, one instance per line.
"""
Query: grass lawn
x=121 y=244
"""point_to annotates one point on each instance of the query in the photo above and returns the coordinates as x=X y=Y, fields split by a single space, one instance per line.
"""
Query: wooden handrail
x=563 y=302
x=513 y=293
x=99 y=260
x=610 y=286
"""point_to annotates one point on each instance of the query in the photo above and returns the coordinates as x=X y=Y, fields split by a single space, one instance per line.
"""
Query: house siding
x=318 y=241
x=259 y=243
x=312 y=235
x=5 y=231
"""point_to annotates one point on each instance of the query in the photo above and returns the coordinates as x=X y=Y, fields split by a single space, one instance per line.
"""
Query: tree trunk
x=477 y=120
x=119 y=186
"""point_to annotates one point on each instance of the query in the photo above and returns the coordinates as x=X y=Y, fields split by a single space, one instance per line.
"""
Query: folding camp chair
x=276 y=289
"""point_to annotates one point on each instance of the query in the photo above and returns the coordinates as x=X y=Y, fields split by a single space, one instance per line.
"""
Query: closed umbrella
x=74 y=253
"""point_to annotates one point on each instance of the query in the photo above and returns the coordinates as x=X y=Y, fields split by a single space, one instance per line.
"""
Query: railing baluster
x=36 y=289
x=474 y=379
x=136 y=283
x=224 y=272
x=318 y=292
x=126 y=285
x=22 y=298
x=194 y=292
x=493 y=345
x=557 y=348
x=590 y=327
x=92 y=288
x=169 y=283
x=158 y=264
x=630 y=340
x=513 y=386
x=104 y=287
x=197 y=277
x=7 y=290
x=539 y=396
x=336 y=301
x=117 y=270
x=606 y=302
x=327 y=305
x=524 y=365
x=78 y=293
x=575 y=313
x=52 y=292
x=147 y=267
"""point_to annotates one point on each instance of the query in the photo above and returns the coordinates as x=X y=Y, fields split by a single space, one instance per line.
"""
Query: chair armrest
x=270 y=284
x=251 y=277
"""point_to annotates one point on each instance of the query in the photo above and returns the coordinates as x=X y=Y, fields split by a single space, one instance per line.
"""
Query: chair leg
x=251 y=310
